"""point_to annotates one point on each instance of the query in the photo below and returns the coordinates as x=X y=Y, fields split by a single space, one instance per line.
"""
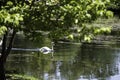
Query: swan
x=46 y=50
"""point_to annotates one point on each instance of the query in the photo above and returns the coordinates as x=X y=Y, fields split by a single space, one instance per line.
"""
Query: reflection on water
x=70 y=62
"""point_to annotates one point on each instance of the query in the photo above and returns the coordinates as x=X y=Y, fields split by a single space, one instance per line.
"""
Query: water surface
x=70 y=62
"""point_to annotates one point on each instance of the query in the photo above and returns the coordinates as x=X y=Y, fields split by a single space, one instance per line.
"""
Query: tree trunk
x=2 y=69
x=2 y=58
x=5 y=52
x=10 y=43
x=2 y=72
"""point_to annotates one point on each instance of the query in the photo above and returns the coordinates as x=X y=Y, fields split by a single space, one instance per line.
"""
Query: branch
x=32 y=4
x=10 y=43
x=6 y=50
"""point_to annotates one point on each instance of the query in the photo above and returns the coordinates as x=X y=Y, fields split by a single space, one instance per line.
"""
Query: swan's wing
x=46 y=52
x=45 y=49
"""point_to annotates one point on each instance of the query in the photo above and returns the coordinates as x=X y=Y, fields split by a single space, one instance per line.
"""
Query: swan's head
x=52 y=43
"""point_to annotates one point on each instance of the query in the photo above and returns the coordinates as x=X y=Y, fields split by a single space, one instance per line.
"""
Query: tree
x=115 y=7
x=56 y=18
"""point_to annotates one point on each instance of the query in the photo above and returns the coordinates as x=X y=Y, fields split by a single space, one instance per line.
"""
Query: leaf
x=70 y=36
x=87 y=38
x=2 y=29
x=76 y=21
x=9 y=3
x=109 y=14
x=78 y=30
x=88 y=15
x=21 y=18
x=106 y=29
x=100 y=12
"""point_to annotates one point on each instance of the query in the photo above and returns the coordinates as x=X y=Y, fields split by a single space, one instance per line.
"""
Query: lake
x=70 y=62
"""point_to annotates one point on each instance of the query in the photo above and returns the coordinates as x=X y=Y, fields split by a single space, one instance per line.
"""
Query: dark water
x=70 y=62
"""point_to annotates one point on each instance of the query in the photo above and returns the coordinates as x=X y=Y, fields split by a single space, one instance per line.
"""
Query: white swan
x=46 y=50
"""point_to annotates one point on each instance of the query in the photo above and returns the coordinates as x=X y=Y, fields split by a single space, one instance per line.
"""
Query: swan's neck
x=52 y=44
x=52 y=47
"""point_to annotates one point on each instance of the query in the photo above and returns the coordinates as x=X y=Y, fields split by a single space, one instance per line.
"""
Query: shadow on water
x=96 y=62
x=70 y=62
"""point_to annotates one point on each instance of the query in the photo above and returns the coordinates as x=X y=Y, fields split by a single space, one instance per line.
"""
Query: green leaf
x=70 y=36
x=76 y=21
x=88 y=15
x=9 y=3
x=109 y=14
x=2 y=29
x=87 y=38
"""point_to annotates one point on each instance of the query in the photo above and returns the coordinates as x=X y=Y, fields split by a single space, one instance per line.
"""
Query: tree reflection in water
x=70 y=62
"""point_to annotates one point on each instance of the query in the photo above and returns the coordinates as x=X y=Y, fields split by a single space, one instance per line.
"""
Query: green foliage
x=2 y=29
x=10 y=17
x=54 y=17
x=89 y=31
x=109 y=14
x=115 y=4
x=21 y=77
x=102 y=30
x=59 y=17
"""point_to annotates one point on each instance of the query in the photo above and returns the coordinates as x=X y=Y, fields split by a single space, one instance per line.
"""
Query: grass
x=20 y=77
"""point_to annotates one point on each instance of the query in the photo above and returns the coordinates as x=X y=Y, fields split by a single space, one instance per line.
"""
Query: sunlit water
x=70 y=62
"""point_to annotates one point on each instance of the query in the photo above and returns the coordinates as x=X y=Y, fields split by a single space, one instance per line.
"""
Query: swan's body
x=46 y=50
